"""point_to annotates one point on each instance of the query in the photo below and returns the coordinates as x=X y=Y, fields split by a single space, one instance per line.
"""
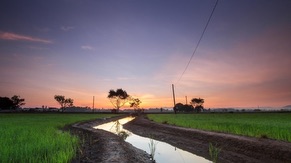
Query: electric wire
x=197 y=45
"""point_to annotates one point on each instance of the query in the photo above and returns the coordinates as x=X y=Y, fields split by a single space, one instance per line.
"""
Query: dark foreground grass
x=262 y=125
x=37 y=138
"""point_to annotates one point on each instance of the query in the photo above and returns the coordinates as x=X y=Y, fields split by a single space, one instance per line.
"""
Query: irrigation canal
x=161 y=151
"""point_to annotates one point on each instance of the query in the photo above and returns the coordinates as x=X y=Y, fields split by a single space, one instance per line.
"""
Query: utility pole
x=93 y=102
x=174 y=94
x=175 y=109
x=186 y=100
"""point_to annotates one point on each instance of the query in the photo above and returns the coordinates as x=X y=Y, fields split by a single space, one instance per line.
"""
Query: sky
x=84 y=48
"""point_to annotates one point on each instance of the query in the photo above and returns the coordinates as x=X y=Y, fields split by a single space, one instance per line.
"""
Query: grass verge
x=261 y=125
x=36 y=137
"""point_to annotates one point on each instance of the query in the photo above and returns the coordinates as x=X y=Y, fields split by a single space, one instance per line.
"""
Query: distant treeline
x=13 y=103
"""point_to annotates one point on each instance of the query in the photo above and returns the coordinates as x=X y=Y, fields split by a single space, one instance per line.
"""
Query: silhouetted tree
x=178 y=107
x=17 y=101
x=188 y=108
x=183 y=108
x=5 y=103
x=118 y=98
x=134 y=103
x=64 y=102
x=14 y=102
x=197 y=103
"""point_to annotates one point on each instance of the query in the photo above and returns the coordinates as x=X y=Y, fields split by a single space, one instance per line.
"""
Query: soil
x=102 y=146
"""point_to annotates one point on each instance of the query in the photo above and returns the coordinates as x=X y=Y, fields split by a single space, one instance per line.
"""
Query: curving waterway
x=162 y=152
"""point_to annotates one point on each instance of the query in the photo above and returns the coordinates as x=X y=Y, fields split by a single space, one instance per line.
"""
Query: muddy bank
x=101 y=146
x=233 y=148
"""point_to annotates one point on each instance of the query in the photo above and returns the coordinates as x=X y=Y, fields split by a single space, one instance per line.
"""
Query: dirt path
x=102 y=146
x=233 y=148
x=105 y=147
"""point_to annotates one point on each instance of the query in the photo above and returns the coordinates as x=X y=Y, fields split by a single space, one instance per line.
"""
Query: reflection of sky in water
x=164 y=152
x=111 y=126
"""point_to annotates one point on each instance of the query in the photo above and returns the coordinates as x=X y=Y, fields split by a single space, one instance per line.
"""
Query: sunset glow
x=84 y=48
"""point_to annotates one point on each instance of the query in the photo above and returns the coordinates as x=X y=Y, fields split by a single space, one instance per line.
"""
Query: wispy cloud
x=67 y=28
x=17 y=37
x=87 y=47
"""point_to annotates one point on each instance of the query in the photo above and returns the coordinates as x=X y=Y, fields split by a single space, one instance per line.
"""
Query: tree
x=178 y=107
x=5 y=103
x=118 y=98
x=17 y=101
x=14 y=102
x=183 y=108
x=197 y=103
x=64 y=102
x=188 y=108
x=134 y=103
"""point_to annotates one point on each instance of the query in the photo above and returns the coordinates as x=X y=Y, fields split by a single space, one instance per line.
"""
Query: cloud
x=17 y=37
x=67 y=28
x=87 y=47
x=255 y=71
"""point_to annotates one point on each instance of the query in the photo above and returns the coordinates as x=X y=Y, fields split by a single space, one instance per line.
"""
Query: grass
x=261 y=125
x=37 y=137
x=213 y=152
x=152 y=147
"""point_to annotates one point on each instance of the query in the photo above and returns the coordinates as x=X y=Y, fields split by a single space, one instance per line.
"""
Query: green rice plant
x=152 y=147
x=213 y=152
x=261 y=125
x=37 y=137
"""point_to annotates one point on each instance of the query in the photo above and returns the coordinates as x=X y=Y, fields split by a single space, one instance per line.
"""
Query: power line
x=198 y=41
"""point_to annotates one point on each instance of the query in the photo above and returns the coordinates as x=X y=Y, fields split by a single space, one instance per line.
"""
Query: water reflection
x=162 y=152
x=153 y=146
x=116 y=127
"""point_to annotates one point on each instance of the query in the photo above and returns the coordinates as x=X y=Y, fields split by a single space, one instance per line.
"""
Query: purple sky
x=84 y=48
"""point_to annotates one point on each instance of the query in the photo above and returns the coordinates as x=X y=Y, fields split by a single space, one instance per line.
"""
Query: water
x=164 y=152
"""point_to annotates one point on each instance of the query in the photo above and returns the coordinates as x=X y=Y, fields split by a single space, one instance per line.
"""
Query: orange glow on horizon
x=103 y=102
